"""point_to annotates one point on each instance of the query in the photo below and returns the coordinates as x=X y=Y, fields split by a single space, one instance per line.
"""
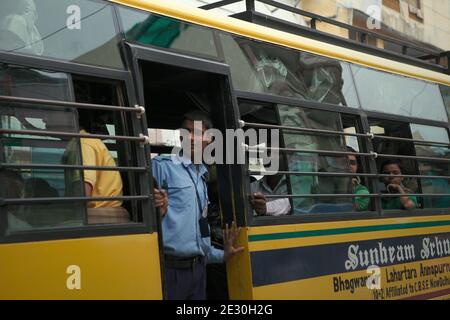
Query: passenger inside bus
x=100 y=183
x=394 y=185
x=108 y=152
x=361 y=203
x=14 y=189
x=271 y=185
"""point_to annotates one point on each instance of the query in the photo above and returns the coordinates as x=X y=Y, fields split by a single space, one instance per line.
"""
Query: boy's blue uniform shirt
x=180 y=226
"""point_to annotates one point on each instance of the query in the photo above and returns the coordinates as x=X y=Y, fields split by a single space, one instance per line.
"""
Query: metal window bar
x=352 y=195
x=250 y=5
x=66 y=104
x=71 y=167
x=324 y=152
x=24 y=201
x=141 y=139
x=430 y=159
x=344 y=174
x=446 y=144
x=330 y=132
x=308 y=130
x=258 y=149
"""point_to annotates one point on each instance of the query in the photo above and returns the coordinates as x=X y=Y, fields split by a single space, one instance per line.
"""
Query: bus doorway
x=169 y=92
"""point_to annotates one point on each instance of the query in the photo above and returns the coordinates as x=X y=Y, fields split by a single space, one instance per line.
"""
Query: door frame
x=233 y=203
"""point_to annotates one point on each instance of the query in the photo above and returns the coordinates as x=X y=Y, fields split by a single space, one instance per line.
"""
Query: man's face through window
x=198 y=140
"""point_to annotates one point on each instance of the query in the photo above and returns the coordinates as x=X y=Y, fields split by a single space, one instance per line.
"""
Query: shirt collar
x=186 y=162
x=267 y=187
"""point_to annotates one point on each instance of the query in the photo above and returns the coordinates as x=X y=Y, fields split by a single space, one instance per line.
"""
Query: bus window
x=45 y=28
x=393 y=142
x=389 y=93
x=308 y=170
x=356 y=144
x=263 y=183
x=434 y=169
x=445 y=90
x=107 y=152
x=316 y=162
x=22 y=150
x=151 y=29
x=265 y=68
x=26 y=82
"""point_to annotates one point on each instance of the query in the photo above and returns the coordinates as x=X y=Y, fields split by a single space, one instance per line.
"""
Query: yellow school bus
x=129 y=70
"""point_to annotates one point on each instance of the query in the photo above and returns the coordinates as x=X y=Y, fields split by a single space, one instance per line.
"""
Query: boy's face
x=392 y=169
x=353 y=163
x=196 y=134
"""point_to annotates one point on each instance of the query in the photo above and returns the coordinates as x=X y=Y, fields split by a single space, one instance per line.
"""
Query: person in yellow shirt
x=103 y=183
x=100 y=183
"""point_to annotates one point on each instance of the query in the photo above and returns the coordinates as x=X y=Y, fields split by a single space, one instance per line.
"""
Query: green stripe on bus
x=329 y=232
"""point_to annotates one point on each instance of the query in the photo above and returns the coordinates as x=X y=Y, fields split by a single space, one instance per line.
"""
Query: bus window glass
x=389 y=93
x=445 y=90
x=151 y=29
x=32 y=83
x=264 y=68
x=108 y=153
x=260 y=180
x=433 y=168
x=81 y=31
x=388 y=148
x=316 y=162
x=26 y=149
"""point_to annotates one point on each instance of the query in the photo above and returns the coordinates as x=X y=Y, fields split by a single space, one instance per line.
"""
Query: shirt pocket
x=181 y=196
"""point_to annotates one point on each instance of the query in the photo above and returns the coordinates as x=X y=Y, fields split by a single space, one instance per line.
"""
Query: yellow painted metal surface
x=323 y=288
x=239 y=272
x=341 y=238
x=119 y=267
x=177 y=10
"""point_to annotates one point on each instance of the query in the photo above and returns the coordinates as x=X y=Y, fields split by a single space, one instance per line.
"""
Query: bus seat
x=108 y=215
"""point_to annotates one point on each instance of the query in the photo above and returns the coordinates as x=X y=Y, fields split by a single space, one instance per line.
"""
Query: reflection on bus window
x=32 y=83
x=315 y=162
x=445 y=90
x=164 y=32
x=428 y=168
x=303 y=161
x=389 y=93
x=18 y=148
x=44 y=28
x=18 y=27
x=263 y=68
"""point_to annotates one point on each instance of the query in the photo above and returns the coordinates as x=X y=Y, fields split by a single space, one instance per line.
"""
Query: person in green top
x=361 y=203
x=394 y=185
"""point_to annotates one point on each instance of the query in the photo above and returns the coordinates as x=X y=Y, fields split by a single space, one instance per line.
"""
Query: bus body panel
x=239 y=273
x=119 y=267
x=321 y=255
